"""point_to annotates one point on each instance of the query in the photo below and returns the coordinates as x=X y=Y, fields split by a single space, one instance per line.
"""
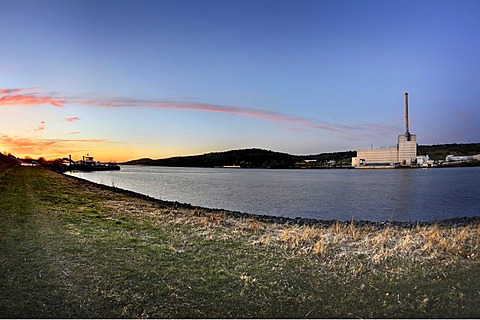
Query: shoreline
x=451 y=222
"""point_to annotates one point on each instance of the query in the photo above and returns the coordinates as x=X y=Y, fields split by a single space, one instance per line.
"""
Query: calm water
x=377 y=195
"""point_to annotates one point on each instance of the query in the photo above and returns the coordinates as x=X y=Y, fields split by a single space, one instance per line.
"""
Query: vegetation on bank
x=441 y=151
x=250 y=158
x=71 y=249
x=258 y=158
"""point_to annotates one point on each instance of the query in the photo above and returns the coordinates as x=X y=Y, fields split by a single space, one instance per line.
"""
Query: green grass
x=71 y=250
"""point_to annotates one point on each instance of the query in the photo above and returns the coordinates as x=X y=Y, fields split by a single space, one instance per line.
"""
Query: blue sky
x=155 y=78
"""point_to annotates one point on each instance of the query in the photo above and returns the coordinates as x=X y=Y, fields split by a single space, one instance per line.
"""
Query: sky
x=122 y=80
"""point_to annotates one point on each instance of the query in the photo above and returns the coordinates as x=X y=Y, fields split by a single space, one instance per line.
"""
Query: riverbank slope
x=71 y=249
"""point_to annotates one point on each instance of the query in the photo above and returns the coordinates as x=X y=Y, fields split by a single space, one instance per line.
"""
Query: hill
x=245 y=158
x=248 y=158
x=8 y=161
x=260 y=158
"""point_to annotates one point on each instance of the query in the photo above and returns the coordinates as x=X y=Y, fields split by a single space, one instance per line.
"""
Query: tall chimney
x=406 y=114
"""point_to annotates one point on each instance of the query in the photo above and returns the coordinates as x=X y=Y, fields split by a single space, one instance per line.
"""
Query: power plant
x=404 y=154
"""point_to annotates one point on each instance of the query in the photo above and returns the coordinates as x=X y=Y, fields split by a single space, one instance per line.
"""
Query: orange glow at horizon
x=101 y=150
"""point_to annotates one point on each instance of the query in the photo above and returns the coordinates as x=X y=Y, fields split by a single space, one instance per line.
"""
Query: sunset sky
x=122 y=80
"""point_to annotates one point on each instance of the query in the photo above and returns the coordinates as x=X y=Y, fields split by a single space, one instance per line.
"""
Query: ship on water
x=88 y=164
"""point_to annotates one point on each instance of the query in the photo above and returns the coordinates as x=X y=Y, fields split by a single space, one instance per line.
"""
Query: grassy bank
x=71 y=249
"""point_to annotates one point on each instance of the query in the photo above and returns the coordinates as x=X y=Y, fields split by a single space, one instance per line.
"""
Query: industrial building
x=404 y=154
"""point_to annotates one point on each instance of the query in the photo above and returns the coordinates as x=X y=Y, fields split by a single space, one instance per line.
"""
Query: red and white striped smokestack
x=406 y=113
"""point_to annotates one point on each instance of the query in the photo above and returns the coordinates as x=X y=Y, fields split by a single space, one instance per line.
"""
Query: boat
x=88 y=164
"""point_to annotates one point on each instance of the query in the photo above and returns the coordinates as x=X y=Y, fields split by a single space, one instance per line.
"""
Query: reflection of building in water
x=404 y=154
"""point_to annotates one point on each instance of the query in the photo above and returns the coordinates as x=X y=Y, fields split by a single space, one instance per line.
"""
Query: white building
x=404 y=154
x=424 y=161
x=452 y=158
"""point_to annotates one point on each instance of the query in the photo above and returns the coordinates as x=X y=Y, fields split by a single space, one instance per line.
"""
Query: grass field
x=69 y=249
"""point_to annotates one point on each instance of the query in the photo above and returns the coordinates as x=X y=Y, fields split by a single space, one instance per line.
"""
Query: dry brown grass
x=215 y=218
x=265 y=240
x=352 y=231
x=290 y=238
x=405 y=242
x=319 y=248
x=356 y=247
x=360 y=248
x=415 y=242
x=337 y=228
x=253 y=225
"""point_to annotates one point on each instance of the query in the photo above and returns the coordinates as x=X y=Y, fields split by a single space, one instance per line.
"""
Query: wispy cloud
x=25 y=142
x=292 y=129
x=28 y=96
x=72 y=119
x=75 y=140
x=33 y=96
x=192 y=106
x=41 y=127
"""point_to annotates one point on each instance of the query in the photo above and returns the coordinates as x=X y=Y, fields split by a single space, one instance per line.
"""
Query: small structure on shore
x=28 y=162
x=404 y=154
x=454 y=158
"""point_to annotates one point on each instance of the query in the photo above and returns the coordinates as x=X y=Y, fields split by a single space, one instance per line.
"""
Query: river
x=375 y=195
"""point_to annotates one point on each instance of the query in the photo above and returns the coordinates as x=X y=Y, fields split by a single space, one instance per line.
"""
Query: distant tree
x=42 y=161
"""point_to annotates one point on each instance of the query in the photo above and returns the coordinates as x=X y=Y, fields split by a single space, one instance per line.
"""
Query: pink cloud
x=10 y=91
x=32 y=96
x=240 y=111
x=28 y=96
x=41 y=127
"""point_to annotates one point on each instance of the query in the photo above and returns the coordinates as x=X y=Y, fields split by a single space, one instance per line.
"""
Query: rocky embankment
x=454 y=222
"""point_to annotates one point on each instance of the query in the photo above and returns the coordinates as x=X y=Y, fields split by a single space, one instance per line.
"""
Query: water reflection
x=402 y=199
